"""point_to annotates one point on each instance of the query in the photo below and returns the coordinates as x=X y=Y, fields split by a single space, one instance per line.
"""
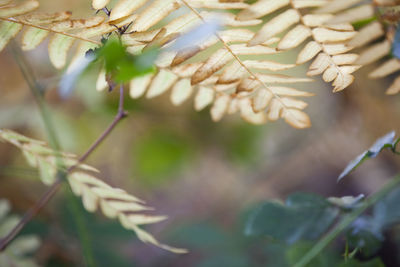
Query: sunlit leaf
x=347 y=202
x=387 y=141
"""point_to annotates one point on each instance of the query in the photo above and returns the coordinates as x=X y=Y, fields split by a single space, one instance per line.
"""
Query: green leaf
x=366 y=232
x=359 y=24
x=120 y=65
x=297 y=251
x=386 y=141
x=365 y=236
x=304 y=217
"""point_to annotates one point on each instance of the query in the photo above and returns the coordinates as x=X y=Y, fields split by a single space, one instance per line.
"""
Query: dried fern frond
x=241 y=70
x=223 y=80
x=59 y=27
x=113 y=202
x=225 y=77
x=18 y=253
x=374 y=39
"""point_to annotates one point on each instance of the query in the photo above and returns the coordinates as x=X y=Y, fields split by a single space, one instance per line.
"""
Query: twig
x=30 y=214
x=120 y=115
x=60 y=176
x=346 y=221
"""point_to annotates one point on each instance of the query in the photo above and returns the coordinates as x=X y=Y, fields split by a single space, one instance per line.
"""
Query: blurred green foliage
x=159 y=154
x=359 y=24
x=241 y=141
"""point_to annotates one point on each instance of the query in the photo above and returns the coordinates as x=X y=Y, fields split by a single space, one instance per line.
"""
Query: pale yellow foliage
x=373 y=40
x=234 y=64
x=95 y=194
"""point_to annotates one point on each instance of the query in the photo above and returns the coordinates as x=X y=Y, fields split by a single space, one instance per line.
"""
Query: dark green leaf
x=386 y=212
x=363 y=235
x=305 y=216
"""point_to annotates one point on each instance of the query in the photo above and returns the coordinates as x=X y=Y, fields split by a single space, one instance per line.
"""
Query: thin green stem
x=81 y=225
x=37 y=92
x=394 y=149
x=347 y=221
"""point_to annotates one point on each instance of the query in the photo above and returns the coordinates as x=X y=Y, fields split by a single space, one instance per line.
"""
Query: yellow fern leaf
x=373 y=40
x=95 y=194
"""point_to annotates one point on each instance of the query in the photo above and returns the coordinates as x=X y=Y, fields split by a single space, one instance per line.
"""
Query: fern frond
x=223 y=80
x=222 y=77
x=96 y=194
x=374 y=39
x=62 y=31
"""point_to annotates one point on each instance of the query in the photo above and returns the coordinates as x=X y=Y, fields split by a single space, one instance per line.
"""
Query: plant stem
x=120 y=115
x=75 y=209
x=28 y=74
x=395 y=146
x=37 y=92
x=346 y=221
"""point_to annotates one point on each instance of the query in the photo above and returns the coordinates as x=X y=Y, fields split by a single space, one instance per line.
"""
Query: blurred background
x=205 y=176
